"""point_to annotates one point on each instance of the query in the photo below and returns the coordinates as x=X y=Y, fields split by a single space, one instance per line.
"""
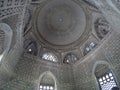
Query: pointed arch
x=30 y=46
x=89 y=47
x=48 y=73
x=49 y=56
x=104 y=75
x=99 y=63
x=102 y=27
x=70 y=58
x=6 y=34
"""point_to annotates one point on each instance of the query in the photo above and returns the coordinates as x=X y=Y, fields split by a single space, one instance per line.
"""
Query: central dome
x=61 y=22
x=60 y=18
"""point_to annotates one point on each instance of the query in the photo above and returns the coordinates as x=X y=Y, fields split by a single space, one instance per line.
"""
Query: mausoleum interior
x=59 y=44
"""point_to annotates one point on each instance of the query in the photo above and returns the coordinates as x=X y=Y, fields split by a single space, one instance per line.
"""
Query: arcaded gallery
x=59 y=44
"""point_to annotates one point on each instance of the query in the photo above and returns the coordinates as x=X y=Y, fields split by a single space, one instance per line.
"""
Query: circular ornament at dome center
x=60 y=18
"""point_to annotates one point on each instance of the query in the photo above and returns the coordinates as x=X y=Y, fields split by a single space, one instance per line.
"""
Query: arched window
x=30 y=47
x=2 y=41
x=47 y=82
x=105 y=77
x=49 y=56
x=102 y=27
x=107 y=81
x=70 y=58
x=6 y=34
x=89 y=47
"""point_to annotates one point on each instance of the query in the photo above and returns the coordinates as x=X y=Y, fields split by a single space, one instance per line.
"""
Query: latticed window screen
x=107 y=82
x=89 y=47
x=50 y=57
x=46 y=87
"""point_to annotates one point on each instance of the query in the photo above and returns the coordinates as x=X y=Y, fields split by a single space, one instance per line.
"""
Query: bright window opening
x=107 y=82
x=1 y=56
x=46 y=87
x=50 y=57
x=89 y=47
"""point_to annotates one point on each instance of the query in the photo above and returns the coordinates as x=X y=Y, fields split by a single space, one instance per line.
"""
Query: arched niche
x=49 y=56
x=89 y=47
x=102 y=27
x=30 y=47
x=47 y=79
x=6 y=34
x=104 y=75
x=70 y=58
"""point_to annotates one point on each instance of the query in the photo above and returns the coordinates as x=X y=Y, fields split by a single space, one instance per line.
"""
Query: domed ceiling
x=66 y=29
x=61 y=23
